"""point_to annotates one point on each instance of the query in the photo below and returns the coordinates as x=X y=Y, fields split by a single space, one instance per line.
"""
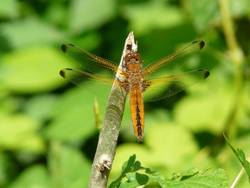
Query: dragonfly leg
x=145 y=85
x=124 y=84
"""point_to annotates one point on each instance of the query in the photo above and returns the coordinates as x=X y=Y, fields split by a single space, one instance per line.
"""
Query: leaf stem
x=108 y=137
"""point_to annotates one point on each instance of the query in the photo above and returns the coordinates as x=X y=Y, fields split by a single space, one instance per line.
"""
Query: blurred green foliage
x=47 y=126
x=134 y=175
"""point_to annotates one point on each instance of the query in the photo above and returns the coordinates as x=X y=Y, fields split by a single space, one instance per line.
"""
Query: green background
x=48 y=130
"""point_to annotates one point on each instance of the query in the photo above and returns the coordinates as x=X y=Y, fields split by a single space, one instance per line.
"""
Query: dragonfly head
x=132 y=61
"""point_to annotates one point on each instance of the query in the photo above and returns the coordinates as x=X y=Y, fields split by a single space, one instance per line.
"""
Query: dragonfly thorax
x=134 y=70
x=132 y=58
x=133 y=62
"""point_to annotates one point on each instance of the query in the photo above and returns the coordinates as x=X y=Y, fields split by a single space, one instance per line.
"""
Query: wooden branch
x=108 y=137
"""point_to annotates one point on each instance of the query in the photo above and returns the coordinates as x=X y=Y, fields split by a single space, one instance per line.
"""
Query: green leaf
x=126 y=184
x=239 y=8
x=35 y=176
x=89 y=14
x=157 y=136
x=74 y=117
x=207 y=106
x=8 y=169
x=207 y=111
x=8 y=9
x=145 y=17
x=89 y=41
x=57 y=13
x=133 y=175
x=162 y=135
x=190 y=179
x=123 y=153
x=33 y=69
x=203 y=13
x=19 y=132
x=30 y=32
x=231 y=164
x=206 y=13
x=208 y=179
x=9 y=104
x=141 y=178
x=69 y=168
x=40 y=107
x=129 y=166
x=241 y=157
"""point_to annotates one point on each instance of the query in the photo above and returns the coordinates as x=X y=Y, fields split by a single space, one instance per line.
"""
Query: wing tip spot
x=201 y=43
x=64 y=48
x=62 y=73
x=205 y=73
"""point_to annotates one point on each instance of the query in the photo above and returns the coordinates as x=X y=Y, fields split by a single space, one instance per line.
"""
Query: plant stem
x=237 y=59
x=237 y=179
x=228 y=28
x=108 y=137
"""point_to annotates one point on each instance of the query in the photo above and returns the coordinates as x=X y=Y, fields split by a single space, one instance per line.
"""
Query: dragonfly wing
x=76 y=76
x=173 y=84
x=75 y=50
x=195 y=45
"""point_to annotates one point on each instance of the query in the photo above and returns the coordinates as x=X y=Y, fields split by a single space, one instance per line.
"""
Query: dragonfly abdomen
x=137 y=112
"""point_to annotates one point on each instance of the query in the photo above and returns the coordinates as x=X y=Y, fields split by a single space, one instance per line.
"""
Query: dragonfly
x=136 y=77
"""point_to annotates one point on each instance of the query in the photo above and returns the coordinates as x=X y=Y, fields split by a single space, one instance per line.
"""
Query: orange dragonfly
x=136 y=77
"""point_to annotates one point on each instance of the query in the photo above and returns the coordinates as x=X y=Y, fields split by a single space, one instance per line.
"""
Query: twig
x=228 y=28
x=237 y=58
x=108 y=137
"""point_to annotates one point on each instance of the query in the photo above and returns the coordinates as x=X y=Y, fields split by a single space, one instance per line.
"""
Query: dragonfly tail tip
x=140 y=139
